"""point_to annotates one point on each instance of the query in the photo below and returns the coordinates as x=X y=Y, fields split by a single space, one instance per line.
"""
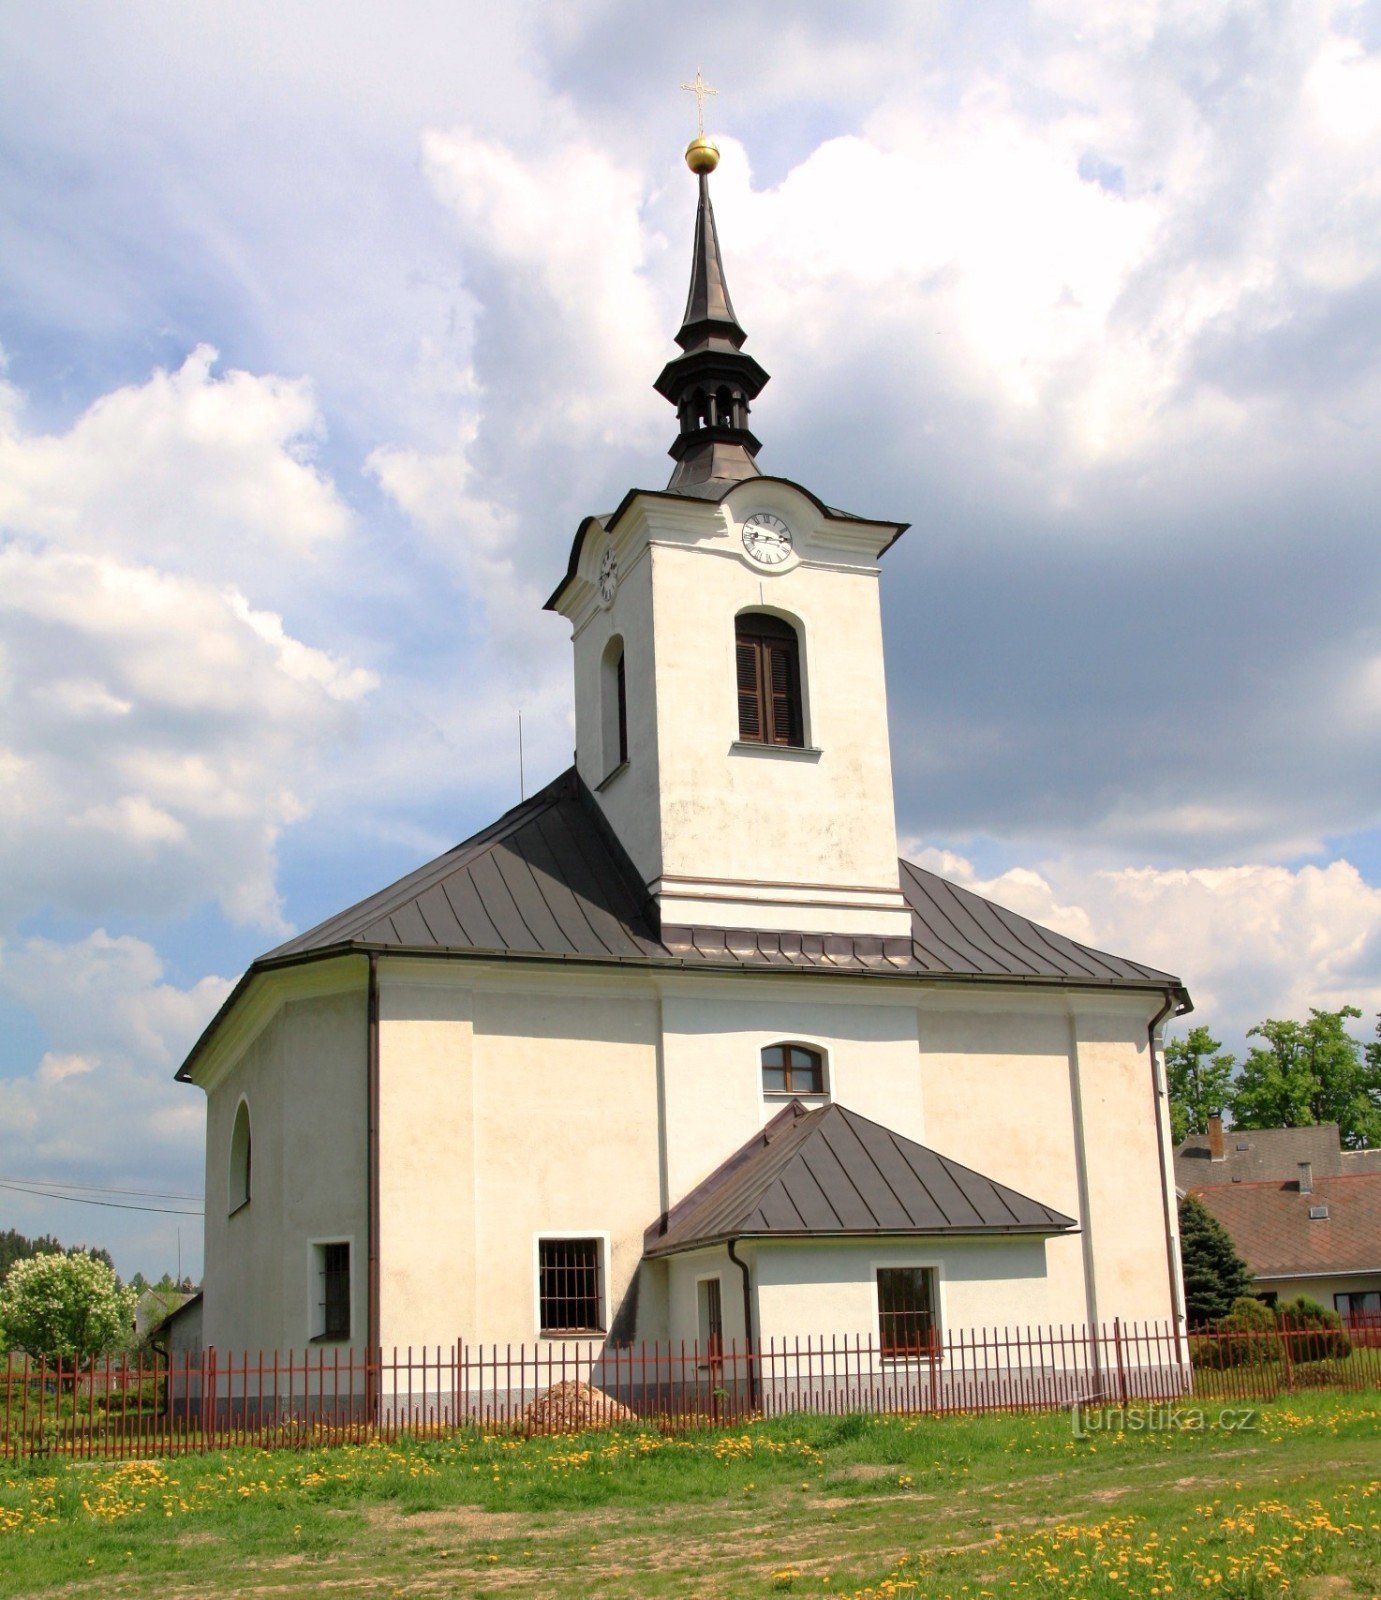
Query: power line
x=84 y=1200
x=100 y=1188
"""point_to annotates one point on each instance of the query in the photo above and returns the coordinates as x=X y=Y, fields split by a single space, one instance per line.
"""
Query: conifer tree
x=1214 y=1274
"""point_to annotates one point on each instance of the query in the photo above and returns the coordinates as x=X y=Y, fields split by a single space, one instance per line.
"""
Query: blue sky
x=323 y=327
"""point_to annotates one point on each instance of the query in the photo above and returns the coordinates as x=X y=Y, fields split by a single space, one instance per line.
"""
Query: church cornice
x=714 y=493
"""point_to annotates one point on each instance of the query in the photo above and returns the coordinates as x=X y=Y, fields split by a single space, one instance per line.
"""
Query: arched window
x=240 y=1158
x=792 y=1069
x=614 y=706
x=768 y=659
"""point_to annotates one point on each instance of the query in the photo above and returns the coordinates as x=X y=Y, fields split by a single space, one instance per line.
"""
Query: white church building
x=678 y=1049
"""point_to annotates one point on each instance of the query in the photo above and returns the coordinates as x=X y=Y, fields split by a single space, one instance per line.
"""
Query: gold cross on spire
x=699 y=89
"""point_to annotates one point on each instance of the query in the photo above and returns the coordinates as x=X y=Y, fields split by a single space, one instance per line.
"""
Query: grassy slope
x=819 y=1506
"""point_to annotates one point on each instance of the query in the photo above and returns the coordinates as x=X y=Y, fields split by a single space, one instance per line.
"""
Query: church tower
x=731 y=711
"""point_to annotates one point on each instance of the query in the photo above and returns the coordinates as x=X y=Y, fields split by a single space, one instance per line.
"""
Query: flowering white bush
x=67 y=1308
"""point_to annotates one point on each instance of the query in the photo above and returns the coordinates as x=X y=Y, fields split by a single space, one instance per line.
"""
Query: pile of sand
x=571 y=1406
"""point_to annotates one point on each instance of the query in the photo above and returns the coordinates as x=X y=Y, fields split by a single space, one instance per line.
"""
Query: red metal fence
x=127 y=1406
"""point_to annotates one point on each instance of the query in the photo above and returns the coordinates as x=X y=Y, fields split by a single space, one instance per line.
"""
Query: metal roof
x=549 y=878
x=550 y=881
x=831 y=1173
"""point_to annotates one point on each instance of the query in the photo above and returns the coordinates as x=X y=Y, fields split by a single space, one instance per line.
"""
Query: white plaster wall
x=303 y=1077
x=1026 y=1093
x=714 y=1033
x=684 y=1274
x=828 y=1289
x=629 y=800
x=776 y=816
x=716 y=825
x=1320 y=1289
x=426 y=1157
x=563 y=1127
x=1125 y=1218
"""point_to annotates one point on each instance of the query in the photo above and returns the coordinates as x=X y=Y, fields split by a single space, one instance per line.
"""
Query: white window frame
x=599 y=1234
x=924 y=1264
x=316 y=1268
x=786 y=1096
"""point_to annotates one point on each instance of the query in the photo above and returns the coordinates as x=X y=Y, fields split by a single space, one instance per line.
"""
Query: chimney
x=1217 y=1150
x=1306 y=1177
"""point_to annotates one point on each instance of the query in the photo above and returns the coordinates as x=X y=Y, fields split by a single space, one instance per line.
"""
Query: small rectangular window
x=332 y=1310
x=1358 y=1303
x=907 y=1321
x=570 y=1293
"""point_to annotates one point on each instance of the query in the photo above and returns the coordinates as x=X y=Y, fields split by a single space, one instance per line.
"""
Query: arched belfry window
x=614 y=706
x=240 y=1158
x=792 y=1069
x=768 y=657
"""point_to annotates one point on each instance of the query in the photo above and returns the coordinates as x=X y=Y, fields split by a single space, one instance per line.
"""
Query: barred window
x=333 y=1291
x=767 y=656
x=569 y=1289
x=907 y=1320
x=792 y=1069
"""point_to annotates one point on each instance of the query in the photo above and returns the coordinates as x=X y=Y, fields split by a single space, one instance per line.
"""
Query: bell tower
x=731 y=710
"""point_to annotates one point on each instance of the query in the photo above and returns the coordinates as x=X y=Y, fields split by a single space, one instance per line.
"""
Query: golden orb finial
x=702 y=154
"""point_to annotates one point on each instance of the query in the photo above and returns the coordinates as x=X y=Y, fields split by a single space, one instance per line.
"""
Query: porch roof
x=830 y=1173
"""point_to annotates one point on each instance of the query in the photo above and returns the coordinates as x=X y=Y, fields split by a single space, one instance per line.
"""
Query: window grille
x=335 y=1291
x=569 y=1288
x=792 y=1069
x=767 y=654
x=906 y=1311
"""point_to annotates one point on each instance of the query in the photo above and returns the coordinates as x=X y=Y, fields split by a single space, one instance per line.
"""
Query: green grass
x=874 y=1507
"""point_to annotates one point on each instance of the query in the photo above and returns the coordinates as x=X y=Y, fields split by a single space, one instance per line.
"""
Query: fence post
x=1121 y=1370
x=208 y=1399
x=1287 y=1360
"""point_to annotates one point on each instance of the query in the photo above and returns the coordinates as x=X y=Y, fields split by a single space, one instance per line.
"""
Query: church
x=678 y=1048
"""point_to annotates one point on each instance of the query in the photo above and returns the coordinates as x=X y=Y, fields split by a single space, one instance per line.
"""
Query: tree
x=1214 y=1274
x=67 y=1308
x=1199 y=1073
x=15 y=1246
x=1311 y=1072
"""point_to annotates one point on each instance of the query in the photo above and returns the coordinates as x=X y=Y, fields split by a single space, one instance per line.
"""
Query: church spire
x=711 y=382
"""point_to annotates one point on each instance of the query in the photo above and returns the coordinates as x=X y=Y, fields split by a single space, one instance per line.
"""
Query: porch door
x=711 y=1330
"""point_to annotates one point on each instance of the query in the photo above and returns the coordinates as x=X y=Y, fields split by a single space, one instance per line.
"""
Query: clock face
x=608 y=576
x=766 y=538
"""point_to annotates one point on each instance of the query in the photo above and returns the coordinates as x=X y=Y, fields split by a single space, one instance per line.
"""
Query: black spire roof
x=711 y=382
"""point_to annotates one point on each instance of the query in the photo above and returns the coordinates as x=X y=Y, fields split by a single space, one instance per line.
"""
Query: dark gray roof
x=549 y=878
x=1257 y=1154
x=830 y=1173
x=550 y=881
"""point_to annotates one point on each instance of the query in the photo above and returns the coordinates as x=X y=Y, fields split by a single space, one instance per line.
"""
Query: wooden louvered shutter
x=783 y=718
x=751 y=721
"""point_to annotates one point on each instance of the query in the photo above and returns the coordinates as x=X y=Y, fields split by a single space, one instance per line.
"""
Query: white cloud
x=1249 y=941
x=187 y=471
x=156 y=729
x=101 y=1106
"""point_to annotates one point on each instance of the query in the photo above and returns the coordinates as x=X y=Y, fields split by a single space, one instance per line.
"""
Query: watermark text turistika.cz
x=1091 y=1420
